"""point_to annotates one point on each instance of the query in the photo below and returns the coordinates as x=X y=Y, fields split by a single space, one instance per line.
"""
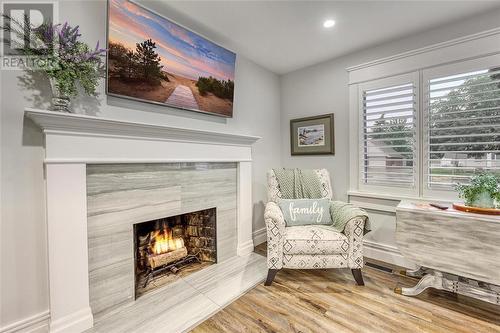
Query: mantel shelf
x=52 y=122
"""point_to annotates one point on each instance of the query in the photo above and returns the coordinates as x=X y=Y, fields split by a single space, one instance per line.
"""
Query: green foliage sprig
x=142 y=64
x=63 y=56
x=220 y=88
x=484 y=182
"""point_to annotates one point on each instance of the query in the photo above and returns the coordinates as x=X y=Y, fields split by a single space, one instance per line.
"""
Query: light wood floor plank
x=330 y=301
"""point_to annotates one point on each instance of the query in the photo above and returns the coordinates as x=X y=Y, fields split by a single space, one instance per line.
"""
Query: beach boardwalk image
x=153 y=59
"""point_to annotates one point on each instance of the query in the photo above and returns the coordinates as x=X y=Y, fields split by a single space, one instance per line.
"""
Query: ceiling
x=283 y=36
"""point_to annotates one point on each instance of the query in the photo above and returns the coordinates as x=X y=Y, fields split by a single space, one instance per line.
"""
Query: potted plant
x=483 y=191
x=62 y=56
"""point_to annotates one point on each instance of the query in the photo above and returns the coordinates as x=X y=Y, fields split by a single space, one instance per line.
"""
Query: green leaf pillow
x=306 y=211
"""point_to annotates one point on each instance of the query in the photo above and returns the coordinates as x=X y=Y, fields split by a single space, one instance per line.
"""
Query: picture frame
x=313 y=135
x=153 y=59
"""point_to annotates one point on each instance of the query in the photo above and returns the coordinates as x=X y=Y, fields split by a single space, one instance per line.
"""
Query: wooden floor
x=330 y=301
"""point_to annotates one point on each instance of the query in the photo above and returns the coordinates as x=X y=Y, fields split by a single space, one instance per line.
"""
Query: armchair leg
x=356 y=273
x=270 y=276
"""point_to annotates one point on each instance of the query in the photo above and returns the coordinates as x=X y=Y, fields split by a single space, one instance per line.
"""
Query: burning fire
x=164 y=242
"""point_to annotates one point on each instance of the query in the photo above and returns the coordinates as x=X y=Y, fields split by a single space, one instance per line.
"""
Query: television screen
x=153 y=59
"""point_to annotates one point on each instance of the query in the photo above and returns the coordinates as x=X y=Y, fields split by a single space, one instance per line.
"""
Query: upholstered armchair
x=311 y=246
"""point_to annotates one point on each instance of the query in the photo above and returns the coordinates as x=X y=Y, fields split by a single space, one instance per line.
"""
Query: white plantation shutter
x=462 y=126
x=388 y=136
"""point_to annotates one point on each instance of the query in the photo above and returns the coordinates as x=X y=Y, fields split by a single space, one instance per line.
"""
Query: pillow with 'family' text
x=306 y=211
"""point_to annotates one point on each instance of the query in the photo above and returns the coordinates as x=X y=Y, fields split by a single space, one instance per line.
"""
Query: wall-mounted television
x=152 y=59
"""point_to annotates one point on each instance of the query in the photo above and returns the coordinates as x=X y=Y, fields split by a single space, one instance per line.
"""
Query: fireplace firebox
x=171 y=247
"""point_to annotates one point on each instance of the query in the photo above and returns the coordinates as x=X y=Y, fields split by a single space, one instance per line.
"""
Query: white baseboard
x=259 y=236
x=385 y=253
x=78 y=321
x=38 y=323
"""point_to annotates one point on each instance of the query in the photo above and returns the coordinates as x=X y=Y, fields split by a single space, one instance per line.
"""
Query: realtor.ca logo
x=20 y=48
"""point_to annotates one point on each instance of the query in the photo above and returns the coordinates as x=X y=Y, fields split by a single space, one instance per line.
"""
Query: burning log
x=158 y=260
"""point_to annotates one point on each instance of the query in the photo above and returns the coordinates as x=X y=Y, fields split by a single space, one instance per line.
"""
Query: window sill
x=396 y=197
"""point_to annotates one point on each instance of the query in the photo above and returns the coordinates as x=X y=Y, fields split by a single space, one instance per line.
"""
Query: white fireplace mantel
x=73 y=141
x=72 y=138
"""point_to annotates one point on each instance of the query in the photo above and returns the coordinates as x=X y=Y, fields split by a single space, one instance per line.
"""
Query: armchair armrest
x=354 y=223
x=342 y=213
x=354 y=230
x=275 y=225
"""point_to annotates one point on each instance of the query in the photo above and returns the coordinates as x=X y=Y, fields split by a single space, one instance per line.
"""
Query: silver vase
x=60 y=102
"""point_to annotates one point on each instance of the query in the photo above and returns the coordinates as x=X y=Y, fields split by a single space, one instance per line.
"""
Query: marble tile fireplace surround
x=124 y=198
x=104 y=177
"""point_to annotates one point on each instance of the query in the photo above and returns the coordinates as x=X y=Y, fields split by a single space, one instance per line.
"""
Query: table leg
x=435 y=279
x=431 y=280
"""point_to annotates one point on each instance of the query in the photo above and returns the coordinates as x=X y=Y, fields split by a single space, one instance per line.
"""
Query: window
x=389 y=125
x=423 y=132
x=462 y=124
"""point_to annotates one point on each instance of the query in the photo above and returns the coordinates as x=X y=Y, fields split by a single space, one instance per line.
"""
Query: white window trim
x=460 y=52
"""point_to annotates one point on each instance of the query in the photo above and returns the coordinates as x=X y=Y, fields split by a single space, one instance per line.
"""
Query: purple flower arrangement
x=67 y=61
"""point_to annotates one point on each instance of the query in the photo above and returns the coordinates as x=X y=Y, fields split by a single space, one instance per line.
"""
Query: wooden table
x=456 y=251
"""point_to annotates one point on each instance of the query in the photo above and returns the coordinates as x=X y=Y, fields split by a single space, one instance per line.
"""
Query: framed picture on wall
x=153 y=59
x=312 y=135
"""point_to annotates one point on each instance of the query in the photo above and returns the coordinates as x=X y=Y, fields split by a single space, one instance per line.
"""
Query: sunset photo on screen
x=155 y=60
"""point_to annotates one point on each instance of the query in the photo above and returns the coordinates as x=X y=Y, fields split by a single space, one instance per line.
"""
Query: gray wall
x=23 y=277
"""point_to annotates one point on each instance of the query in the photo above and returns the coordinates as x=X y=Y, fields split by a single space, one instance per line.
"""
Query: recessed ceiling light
x=329 y=23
